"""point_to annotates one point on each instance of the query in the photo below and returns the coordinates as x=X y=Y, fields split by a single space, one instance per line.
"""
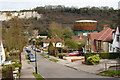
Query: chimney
x=106 y=26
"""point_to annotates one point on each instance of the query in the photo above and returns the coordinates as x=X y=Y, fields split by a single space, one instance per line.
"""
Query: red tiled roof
x=104 y=35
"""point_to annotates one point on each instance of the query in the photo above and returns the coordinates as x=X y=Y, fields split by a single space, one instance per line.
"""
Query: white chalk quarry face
x=25 y=14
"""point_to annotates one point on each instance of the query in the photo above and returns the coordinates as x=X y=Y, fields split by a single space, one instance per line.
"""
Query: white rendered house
x=2 y=53
x=116 y=41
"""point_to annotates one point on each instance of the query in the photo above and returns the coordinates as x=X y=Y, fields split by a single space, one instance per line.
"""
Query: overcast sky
x=9 y=5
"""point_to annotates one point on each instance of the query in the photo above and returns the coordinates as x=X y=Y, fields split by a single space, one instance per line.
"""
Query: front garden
x=94 y=59
x=14 y=71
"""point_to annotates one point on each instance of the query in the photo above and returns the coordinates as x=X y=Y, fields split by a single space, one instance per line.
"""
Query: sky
x=16 y=5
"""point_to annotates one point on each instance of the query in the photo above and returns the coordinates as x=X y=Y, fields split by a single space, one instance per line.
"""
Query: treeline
x=68 y=15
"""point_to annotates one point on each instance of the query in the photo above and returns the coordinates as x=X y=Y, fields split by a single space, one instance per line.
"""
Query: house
x=100 y=42
x=56 y=42
x=2 y=53
x=116 y=40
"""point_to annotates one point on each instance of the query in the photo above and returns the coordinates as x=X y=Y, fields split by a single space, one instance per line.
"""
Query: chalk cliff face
x=5 y=16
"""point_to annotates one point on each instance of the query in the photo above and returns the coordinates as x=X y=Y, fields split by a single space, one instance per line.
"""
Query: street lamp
x=35 y=57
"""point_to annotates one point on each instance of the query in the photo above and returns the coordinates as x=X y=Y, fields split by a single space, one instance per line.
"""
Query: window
x=118 y=38
x=0 y=49
x=99 y=45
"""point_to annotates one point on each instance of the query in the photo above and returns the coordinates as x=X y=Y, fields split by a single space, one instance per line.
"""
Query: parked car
x=28 y=51
x=30 y=55
x=37 y=50
x=32 y=59
x=75 y=53
x=7 y=62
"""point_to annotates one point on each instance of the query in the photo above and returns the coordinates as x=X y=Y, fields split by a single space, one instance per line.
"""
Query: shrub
x=93 y=59
x=61 y=55
x=104 y=55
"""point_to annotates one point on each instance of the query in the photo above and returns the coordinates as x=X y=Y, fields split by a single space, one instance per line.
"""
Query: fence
x=112 y=66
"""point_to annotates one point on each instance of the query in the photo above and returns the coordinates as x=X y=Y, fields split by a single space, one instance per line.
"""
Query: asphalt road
x=52 y=70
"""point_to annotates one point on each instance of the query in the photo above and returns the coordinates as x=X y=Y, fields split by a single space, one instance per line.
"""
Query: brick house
x=100 y=42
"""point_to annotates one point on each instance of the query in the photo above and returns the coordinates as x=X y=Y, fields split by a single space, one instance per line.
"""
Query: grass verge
x=38 y=76
x=28 y=62
x=55 y=60
x=26 y=56
x=42 y=55
x=112 y=73
x=45 y=56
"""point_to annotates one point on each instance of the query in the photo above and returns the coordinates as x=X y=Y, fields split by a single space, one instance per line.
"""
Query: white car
x=8 y=62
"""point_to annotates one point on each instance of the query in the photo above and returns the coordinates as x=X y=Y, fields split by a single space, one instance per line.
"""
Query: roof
x=86 y=21
x=104 y=35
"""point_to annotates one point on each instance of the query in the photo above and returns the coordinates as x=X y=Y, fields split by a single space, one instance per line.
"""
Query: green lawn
x=112 y=73
x=55 y=60
x=46 y=56
x=38 y=76
x=42 y=55
x=28 y=62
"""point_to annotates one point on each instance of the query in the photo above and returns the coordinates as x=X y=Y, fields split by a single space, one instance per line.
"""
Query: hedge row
x=104 y=55
x=12 y=57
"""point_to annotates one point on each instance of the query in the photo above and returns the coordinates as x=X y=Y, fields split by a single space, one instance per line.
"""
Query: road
x=49 y=69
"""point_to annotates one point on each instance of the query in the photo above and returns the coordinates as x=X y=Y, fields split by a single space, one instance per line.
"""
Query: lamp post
x=35 y=57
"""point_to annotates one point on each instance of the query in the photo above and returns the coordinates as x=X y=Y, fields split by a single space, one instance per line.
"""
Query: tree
x=55 y=30
x=51 y=49
x=55 y=33
x=14 y=37
x=68 y=33
x=71 y=44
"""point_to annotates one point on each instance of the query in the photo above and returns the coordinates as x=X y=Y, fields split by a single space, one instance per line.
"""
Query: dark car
x=75 y=53
x=30 y=55
x=28 y=51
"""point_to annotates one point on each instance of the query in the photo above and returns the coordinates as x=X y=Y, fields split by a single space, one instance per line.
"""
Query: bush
x=104 y=55
x=61 y=55
x=16 y=64
x=93 y=59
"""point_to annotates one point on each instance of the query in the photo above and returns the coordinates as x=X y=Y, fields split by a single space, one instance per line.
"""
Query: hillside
x=68 y=15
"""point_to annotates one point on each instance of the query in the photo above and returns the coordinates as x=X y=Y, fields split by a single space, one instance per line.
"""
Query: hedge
x=104 y=55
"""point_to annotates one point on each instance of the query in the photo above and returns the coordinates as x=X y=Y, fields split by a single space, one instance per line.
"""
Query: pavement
x=94 y=69
x=27 y=69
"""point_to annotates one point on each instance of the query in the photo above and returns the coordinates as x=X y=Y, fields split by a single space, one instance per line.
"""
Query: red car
x=75 y=53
